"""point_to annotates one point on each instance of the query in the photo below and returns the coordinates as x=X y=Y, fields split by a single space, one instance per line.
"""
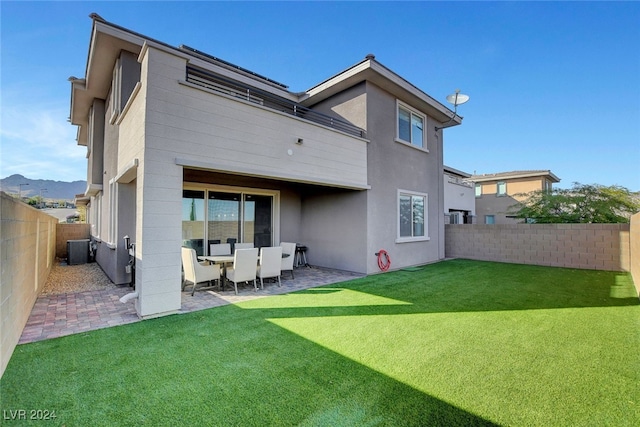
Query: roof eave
x=373 y=71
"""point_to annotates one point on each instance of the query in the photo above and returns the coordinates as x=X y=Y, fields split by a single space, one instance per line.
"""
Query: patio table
x=220 y=259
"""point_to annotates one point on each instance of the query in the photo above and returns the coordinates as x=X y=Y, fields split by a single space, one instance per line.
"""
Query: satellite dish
x=457 y=98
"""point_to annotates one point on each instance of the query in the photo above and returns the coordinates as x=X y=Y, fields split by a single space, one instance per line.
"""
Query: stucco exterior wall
x=634 y=250
x=489 y=203
x=498 y=206
x=27 y=254
x=217 y=132
x=458 y=196
x=587 y=246
x=396 y=166
x=334 y=231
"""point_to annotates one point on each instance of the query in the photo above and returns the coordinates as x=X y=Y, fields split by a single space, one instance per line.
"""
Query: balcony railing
x=459 y=181
x=229 y=87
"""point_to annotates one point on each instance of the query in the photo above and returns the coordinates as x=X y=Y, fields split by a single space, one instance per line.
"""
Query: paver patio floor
x=71 y=313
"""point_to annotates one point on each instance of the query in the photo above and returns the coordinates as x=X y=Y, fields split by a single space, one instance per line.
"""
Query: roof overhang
x=282 y=176
x=449 y=169
x=372 y=71
x=92 y=190
x=515 y=175
x=104 y=48
x=81 y=200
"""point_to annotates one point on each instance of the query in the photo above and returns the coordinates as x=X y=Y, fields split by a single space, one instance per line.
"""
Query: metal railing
x=459 y=181
x=235 y=89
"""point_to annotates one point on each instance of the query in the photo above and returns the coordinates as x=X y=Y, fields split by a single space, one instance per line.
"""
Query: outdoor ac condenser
x=77 y=251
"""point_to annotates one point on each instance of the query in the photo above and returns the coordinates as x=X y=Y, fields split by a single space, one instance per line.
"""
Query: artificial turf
x=455 y=343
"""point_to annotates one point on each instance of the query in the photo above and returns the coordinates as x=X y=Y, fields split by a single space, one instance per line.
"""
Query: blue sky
x=553 y=85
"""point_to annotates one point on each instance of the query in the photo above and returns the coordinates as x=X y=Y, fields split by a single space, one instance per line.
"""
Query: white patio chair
x=244 y=245
x=220 y=249
x=270 y=264
x=244 y=267
x=196 y=272
x=287 y=262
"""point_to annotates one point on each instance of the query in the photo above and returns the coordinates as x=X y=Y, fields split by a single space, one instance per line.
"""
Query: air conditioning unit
x=77 y=251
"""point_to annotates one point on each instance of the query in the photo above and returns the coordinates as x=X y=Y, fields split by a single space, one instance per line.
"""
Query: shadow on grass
x=221 y=367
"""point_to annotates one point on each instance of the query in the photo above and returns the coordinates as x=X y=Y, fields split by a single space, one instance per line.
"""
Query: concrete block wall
x=70 y=232
x=27 y=254
x=586 y=246
x=634 y=250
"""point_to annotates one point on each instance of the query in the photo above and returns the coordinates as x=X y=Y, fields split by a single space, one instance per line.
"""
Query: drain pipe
x=129 y=296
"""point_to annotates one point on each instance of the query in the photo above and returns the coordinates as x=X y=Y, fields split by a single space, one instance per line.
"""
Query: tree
x=583 y=203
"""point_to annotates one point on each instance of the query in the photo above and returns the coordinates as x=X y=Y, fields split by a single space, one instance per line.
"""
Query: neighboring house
x=187 y=149
x=459 y=197
x=496 y=193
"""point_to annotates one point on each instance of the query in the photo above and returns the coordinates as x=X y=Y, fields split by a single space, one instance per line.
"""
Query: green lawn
x=453 y=343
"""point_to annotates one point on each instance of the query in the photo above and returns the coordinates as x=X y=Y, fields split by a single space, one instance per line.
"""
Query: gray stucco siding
x=395 y=166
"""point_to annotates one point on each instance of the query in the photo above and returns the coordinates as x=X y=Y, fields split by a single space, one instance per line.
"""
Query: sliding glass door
x=239 y=218
x=224 y=216
x=193 y=220
x=258 y=220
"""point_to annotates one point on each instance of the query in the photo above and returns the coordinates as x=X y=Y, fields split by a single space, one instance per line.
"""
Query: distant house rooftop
x=514 y=175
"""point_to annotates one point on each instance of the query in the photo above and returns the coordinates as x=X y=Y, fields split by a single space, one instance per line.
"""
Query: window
x=489 y=219
x=454 y=218
x=410 y=126
x=412 y=209
x=97 y=215
x=113 y=209
x=478 y=190
x=116 y=82
x=501 y=189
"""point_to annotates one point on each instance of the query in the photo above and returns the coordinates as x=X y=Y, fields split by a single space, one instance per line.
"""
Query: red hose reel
x=384 y=261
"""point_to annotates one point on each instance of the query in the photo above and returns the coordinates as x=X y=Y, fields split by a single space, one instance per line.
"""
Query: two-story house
x=187 y=149
x=497 y=193
x=459 y=197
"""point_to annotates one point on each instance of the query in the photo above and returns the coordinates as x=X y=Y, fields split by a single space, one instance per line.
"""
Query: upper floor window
x=410 y=126
x=478 y=190
x=502 y=189
x=115 y=98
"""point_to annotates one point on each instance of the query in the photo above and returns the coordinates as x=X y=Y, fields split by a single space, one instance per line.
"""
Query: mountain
x=56 y=190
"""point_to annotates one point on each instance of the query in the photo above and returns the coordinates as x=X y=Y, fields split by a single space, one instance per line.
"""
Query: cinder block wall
x=587 y=246
x=70 y=232
x=634 y=250
x=27 y=254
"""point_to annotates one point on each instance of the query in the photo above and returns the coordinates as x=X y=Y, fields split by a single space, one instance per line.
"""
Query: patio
x=60 y=314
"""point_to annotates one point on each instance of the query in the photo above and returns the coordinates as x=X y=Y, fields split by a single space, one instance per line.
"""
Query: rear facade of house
x=185 y=149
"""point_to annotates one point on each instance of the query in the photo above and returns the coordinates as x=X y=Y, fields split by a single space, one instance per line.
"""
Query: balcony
x=235 y=89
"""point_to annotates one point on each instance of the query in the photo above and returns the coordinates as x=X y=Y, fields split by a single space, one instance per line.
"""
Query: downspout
x=129 y=296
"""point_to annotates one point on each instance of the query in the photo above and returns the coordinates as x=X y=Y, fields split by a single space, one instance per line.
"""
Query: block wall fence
x=27 y=254
x=586 y=246
x=634 y=250
x=70 y=232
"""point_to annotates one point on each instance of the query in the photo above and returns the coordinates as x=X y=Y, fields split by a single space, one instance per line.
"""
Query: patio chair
x=244 y=245
x=244 y=267
x=287 y=262
x=220 y=249
x=196 y=272
x=270 y=264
